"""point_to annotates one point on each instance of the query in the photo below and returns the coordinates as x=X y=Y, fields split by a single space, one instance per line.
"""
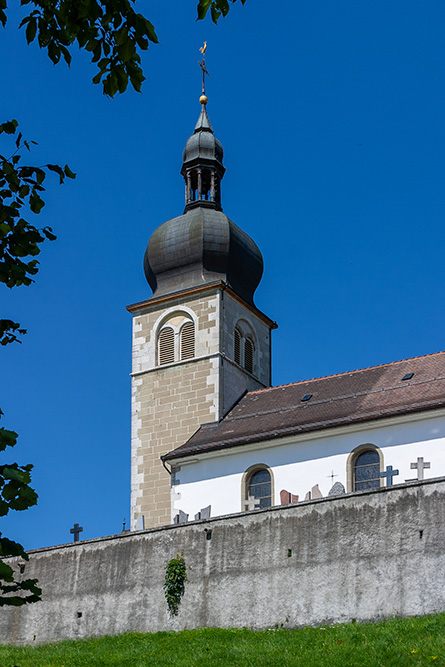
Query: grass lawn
x=393 y=643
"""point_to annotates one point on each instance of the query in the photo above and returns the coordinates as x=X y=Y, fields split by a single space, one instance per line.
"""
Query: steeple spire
x=202 y=167
x=202 y=246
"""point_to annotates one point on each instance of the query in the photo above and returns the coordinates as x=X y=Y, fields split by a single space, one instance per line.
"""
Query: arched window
x=366 y=470
x=243 y=346
x=166 y=346
x=187 y=340
x=176 y=339
x=257 y=488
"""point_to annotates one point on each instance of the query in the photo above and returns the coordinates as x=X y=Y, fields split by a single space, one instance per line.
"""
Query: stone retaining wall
x=365 y=555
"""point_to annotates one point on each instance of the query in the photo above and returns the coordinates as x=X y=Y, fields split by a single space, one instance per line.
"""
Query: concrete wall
x=297 y=463
x=366 y=555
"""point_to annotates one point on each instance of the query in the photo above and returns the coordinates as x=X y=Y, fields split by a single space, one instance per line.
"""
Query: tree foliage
x=15 y=494
x=217 y=8
x=111 y=30
x=21 y=188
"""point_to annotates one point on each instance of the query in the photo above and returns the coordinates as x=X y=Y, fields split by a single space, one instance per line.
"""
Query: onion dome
x=203 y=245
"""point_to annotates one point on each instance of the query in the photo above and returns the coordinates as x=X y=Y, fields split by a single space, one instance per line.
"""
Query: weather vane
x=202 y=64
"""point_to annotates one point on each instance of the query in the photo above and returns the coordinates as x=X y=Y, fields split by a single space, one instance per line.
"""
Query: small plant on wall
x=174 y=583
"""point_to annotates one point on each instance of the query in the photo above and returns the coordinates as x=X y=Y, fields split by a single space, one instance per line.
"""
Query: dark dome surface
x=200 y=247
x=203 y=143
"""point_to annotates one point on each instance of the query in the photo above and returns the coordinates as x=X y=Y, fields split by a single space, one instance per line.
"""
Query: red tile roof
x=347 y=398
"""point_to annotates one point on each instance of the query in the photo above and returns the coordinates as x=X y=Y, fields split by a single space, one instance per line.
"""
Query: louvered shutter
x=188 y=341
x=248 y=355
x=237 y=350
x=166 y=346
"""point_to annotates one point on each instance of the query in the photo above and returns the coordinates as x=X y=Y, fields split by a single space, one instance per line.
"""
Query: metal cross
x=252 y=503
x=389 y=474
x=76 y=530
x=203 y=67
x=332 y=476
x=420 y=467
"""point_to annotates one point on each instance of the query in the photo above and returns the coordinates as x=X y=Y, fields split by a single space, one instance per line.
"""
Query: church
x=210 y=436
x=332 y=487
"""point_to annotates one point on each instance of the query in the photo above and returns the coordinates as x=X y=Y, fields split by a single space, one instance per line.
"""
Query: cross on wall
x=389 y=473
x=332 y=476
x=251 y=503
x=420 y=466
x=76 y=530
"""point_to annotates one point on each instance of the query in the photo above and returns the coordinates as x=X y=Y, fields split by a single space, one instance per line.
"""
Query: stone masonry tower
x=199 y=342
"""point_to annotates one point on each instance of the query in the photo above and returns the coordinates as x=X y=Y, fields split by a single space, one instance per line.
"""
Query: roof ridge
x=357 y=370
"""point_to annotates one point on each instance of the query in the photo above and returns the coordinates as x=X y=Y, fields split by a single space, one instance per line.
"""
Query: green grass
x=393 y=643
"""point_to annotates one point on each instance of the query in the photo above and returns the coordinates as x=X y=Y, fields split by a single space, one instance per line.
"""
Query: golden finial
x=202 y=64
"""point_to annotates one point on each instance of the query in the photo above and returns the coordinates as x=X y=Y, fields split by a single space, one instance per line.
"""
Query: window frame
x=351 y=461
x=245 y=482
x=243 y=335
x=166 y=323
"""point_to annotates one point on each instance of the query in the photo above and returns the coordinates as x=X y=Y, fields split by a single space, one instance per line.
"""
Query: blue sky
x=331 y=117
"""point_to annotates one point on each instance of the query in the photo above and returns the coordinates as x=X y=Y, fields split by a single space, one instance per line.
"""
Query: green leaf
x=68 y=172
x=58 y=170
x=122 y=78
x=15 y=474
x=150 y=31
x=111 y=85
x=9 y=127
x=215 y=13
x=7 y=438
x=66 y=54
x=31 y=29
x=48 y=232
x=36 y=203
x=203 y=7
x=126 y=50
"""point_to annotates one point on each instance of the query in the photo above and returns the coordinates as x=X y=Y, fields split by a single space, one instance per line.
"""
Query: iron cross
x=202 y=65
x=389 y=474
x=420 y=467
x=76 y=530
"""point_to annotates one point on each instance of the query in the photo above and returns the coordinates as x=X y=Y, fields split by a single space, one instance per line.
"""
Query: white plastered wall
x=301 y=462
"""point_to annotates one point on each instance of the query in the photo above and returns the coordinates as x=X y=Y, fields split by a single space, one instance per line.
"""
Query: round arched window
x=176 y=339
x=367 y=470
x=244 y=347
x=259 y=489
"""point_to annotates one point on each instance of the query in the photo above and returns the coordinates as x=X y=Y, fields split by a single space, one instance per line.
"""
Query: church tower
x=199 y=342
